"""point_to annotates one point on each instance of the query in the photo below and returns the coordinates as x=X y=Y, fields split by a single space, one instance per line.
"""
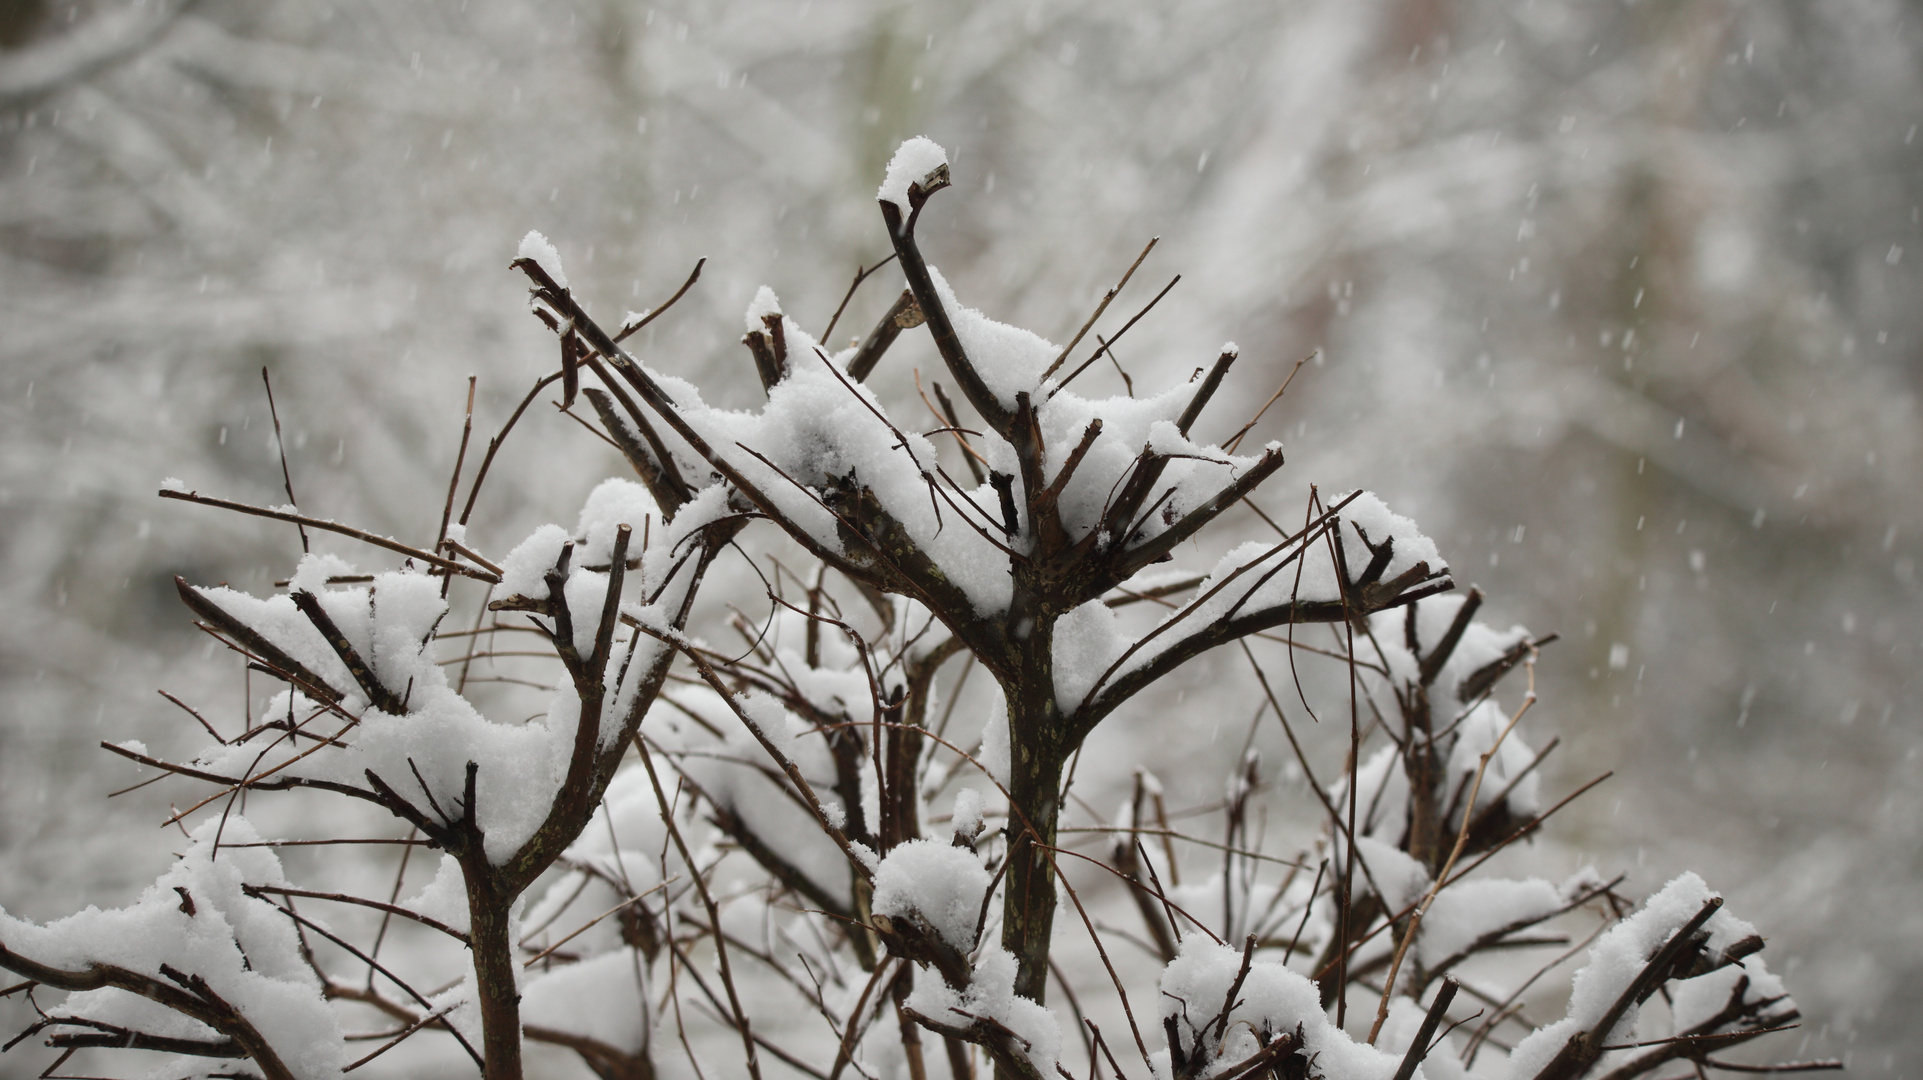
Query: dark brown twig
x=1110 y=343
x=861 y=275
x=1419 y=1048
x=1062 y=357
x=693 y=276
x=362 y=535
x=280 y=446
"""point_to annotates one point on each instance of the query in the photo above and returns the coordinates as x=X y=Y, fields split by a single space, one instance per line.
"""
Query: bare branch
x=362 y=535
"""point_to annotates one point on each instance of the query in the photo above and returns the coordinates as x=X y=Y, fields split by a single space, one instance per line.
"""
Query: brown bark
x=494 y=973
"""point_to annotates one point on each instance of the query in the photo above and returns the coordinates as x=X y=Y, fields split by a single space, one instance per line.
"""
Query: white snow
x=1251 y=579
x=1404 y=1023
x=445 y=898
x=527 y=565
x=940 y=883
x=603 y=998
x=991 y=995
x=1401 y=879
x=912 y=163
x=1694 y=1002
x=1479 y=645
x=1087 y=640
x=1273 y=1000
x=1008 y=358
x=1477 y=733
x=765 y=304
x=1614 y=962
x=995 y=744
x=245 y=948
x=535 y=246
x=967 y=818
x=734 y=775
x=1465 y=911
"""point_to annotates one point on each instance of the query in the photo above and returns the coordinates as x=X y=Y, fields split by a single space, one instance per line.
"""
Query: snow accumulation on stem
x=734 y=776
x=1009 y=359
x=818 y=430
x=912 y=163
x=941 y=884
x=245 y=948
x=1620 y=955
x=1479 y=646
x=1466 y=911
x=389 y=625
x=991 y=996
x=535 y=246
x=1272 y=1001
x=604 y=998
x=1251 y=579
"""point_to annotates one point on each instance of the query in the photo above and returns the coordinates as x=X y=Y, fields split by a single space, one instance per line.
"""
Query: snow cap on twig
x=913 y=163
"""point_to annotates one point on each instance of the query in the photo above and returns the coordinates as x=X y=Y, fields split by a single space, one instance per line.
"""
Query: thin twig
x=1107 y=345
x=1462 y=839
x=280 y=446
x=1273 y=398
x=584 y=927
x=860 y=276
x=693 y=276
x=1062 y=357
x=334 y=527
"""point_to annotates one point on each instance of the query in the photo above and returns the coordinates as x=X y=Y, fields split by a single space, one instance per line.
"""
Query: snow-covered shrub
x=583 y=851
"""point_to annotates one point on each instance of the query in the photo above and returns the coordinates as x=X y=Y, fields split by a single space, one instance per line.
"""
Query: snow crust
x=1468 y=910
x=1091 y=650
x=912 y=163
x=991 y=995
x=245 y=948
x=1615 y=960
x=1694 y=1002
x=1273 y=1001
x=535 y=246
x=942 y=884
x=602 y=998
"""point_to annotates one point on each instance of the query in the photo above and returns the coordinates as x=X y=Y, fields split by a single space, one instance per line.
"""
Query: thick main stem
x=1028 y=902
x=1037 y=749
x=494 y=978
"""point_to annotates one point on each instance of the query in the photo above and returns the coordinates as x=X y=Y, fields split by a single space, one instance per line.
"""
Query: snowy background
x=1617 y=299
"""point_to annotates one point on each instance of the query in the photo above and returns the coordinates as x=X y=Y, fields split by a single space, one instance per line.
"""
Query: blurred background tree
x=1615 y=296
